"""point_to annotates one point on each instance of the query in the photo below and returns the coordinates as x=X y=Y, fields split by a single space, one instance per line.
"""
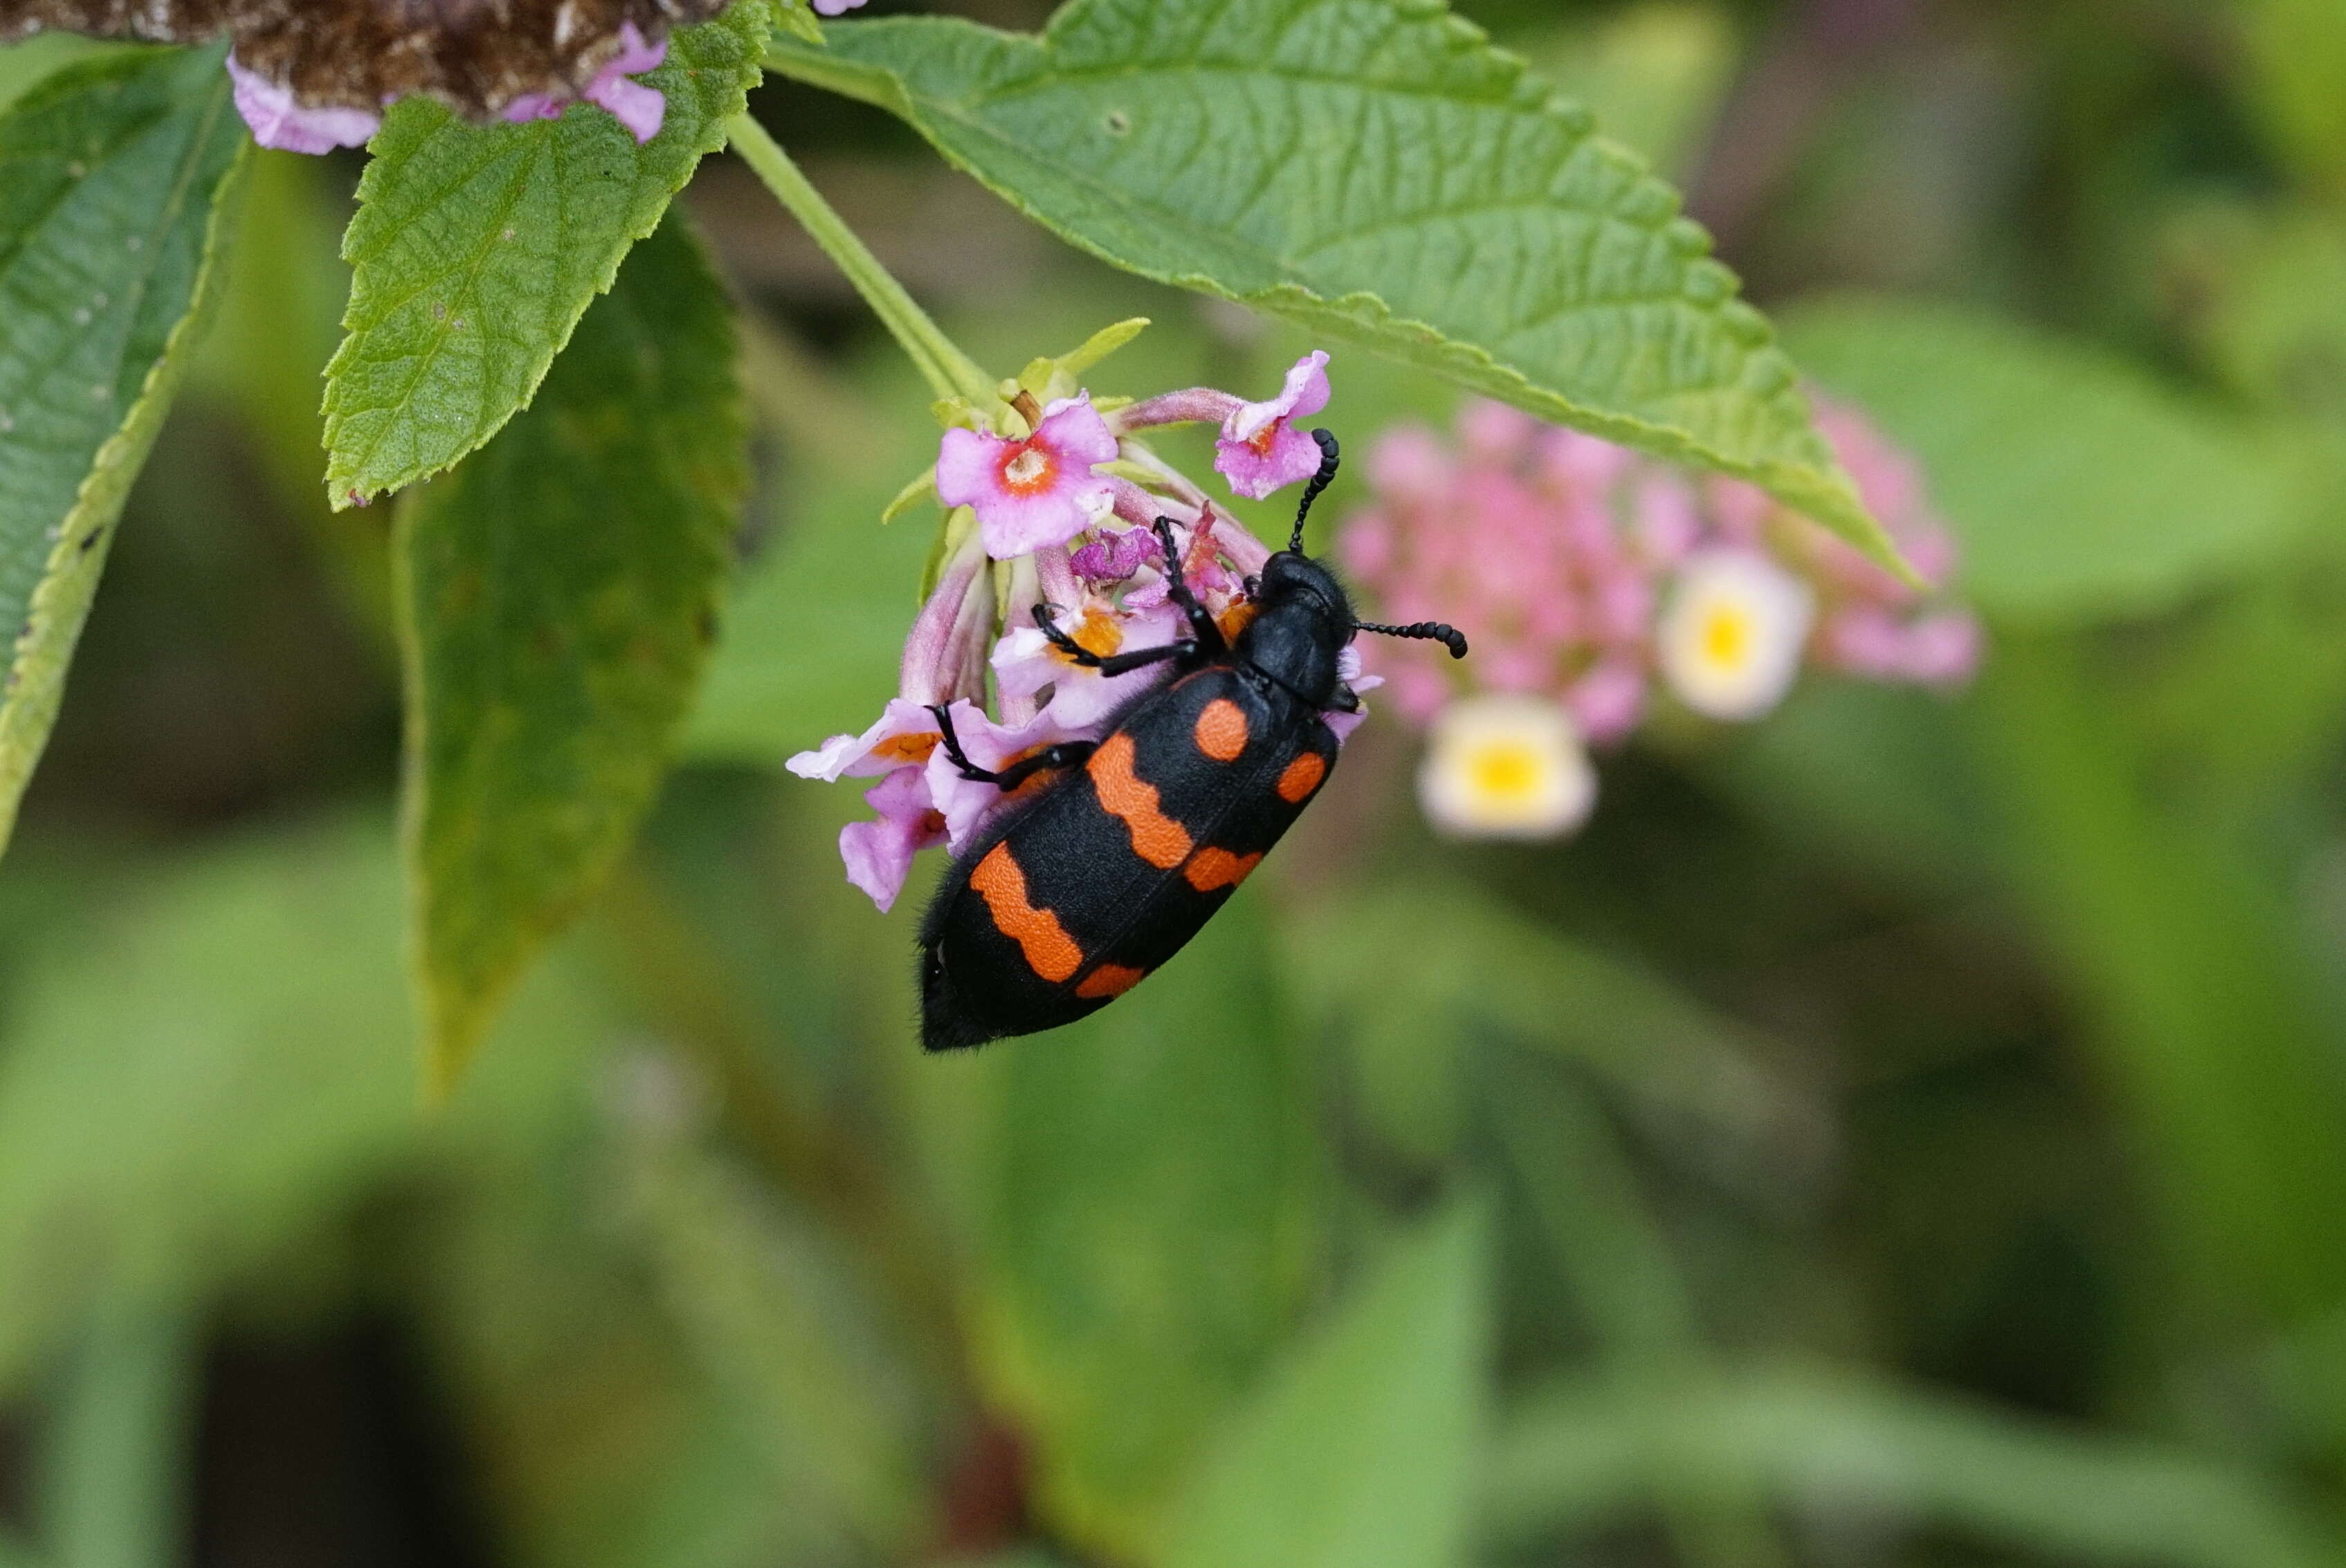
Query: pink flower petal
x=1304 y=393
x=1283 y=457
x=277 y=121
x=967 y=805
x=642 y=109
x=878 y=854
x=904 y=736
x=1057 y=495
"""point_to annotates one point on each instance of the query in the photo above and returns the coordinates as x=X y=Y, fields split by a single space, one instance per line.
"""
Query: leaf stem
x=949 y=371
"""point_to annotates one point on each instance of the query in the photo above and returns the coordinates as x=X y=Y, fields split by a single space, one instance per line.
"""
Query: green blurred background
x=1908 y=1131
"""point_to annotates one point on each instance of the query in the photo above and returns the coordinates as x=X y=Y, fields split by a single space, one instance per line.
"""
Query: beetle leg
x=1203 y=632
x=1082 y=657
x=1346 y=700
x=1067 y=753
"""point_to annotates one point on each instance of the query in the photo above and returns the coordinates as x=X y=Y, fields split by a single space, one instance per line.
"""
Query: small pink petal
x=1304 y=393
x=642 y=109
x=878 y=855
x=1286 y=456
x=908 y=724
x=277 y=121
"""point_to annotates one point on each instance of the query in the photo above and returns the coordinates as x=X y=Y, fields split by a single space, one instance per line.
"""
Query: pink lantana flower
x=1036 y=492
x=878 y=854
x=1586 y=575
x=640 y=108
x=1260 y=449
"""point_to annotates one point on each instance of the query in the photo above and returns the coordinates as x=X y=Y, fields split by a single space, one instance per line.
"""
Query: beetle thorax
x=1303 y=623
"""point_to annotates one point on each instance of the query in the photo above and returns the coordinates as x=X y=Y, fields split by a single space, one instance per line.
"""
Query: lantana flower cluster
x=1586 y=575
x=1051 y=510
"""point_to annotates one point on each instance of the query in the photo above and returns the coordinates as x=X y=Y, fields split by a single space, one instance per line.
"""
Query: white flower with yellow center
x=1505 y=768
x=1730 y=639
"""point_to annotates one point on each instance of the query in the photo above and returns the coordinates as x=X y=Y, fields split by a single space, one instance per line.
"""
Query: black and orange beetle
x=1079 y=893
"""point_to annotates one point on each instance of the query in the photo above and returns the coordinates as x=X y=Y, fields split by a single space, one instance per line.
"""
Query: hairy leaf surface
x=1375 y=170
x=115 y=177
x=476 y=249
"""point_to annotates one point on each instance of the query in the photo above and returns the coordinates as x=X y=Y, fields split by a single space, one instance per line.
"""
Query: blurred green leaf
x=197 y=1075
x=1151 y=1230
x=2204 y=1015
x=591 y=1436
x=1580 y=1458
x=1653 y=74
x=115 y=191
x=2261 y=294
x=814 y=630
x=1411 y=974
x=1360 y=1451
x=779 y=1320
x=25 y=65
x=2078 y=487
x=114 y=1470
x=2296 y=56
x=1377 y=172
x=1577 y=1182
x=477 y=249
x=556 y=599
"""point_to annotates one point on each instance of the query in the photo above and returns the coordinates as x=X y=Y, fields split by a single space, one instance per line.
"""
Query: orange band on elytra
x=1050 y=952
x=1212 y=869
x=1156 y=838
x=1110 y=979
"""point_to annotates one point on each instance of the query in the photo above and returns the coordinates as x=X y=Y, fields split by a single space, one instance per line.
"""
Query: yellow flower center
x=1028 y=471
x=1096 y=633
x=1508 y=770
x=1727 y=636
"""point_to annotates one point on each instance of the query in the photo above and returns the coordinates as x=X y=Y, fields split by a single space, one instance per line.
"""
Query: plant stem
x=949 y=371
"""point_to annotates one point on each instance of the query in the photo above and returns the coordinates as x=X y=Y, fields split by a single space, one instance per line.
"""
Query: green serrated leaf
x=556 y=597
x=1374 y=171
x=2078 y=487
x=1361 y=1452
x=476 y=249
x=116 y=179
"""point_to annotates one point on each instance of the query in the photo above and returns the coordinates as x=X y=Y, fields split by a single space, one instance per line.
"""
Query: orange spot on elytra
x=1050 y=952
x=1221 y=732
x=1302 y=777
x=1110 y=979
x=1156 y=838
x=1213 y=868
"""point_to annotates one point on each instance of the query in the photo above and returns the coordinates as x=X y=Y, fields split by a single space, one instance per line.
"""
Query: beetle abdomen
x=1075 y=898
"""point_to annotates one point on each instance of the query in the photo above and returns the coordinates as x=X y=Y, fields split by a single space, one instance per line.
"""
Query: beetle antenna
x=1449 y=636
x=1329 y=458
